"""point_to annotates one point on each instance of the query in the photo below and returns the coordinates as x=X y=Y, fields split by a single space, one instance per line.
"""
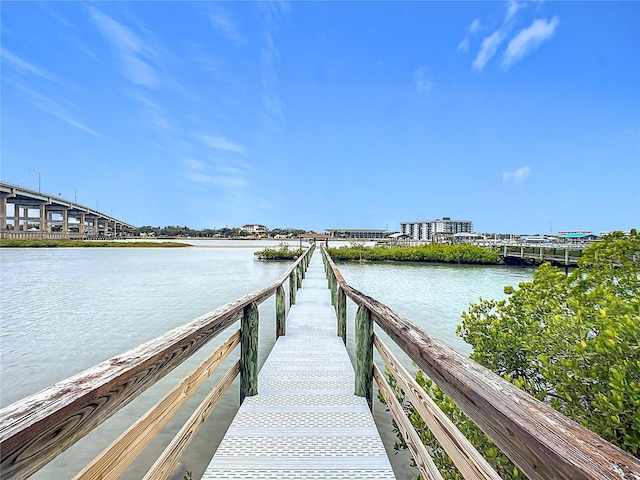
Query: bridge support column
x=25 y=213
x=16 y=217
x=82 y=222
x=95 y=226
x=43 y=218
x=65 y=221
x=3 y=213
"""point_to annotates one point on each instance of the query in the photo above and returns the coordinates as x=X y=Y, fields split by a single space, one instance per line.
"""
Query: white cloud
x=192 y=163
x=132 y=52
x=53 y=108
x=25 y=67
x=199 y=178
x=229 y=182
x=529 y=40
x=489 y=47
x=514 y=7
x=221 y=143
x=475 y=26
x=517 y=175
x=423 y=84
x=225 y=25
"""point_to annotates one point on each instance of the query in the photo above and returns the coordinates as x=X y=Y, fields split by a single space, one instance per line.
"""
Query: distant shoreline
x=43 y=243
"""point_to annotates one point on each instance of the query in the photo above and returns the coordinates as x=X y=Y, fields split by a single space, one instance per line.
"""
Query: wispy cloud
x=423 y=84
x=27 y=69
x=489 y=48
x=529 y=40
x=513 y=8
x=133 y=53
x=520 y=45
x=221 y=143
x=517 y=175
x=475 y=26
x=54 y=108
x=224 y=24
x=270 y=98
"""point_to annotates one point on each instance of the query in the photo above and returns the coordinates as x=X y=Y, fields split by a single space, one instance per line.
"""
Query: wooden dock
x=305 y=422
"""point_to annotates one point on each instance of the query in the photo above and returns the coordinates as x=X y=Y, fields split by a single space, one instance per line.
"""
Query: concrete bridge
x=42 y=215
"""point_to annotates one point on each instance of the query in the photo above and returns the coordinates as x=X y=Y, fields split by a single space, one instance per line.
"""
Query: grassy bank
x=44 y=243
x=435 y=252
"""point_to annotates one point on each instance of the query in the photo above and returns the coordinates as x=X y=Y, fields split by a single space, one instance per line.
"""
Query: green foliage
x=44 y=243
x=433 y=252
x=283 y=252
x=572 y=341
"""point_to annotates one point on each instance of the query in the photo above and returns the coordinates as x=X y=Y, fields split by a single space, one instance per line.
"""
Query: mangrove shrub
x=571 y=341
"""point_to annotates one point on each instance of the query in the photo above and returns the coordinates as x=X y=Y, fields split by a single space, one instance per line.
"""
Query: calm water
x=64 y=310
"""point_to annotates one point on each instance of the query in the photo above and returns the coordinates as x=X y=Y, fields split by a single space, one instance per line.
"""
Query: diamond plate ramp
x=305 y=422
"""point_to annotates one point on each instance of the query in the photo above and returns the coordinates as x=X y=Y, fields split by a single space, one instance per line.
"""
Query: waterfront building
x=576 y=236
x=254 y=228
x=441 y=229
x=355 y=234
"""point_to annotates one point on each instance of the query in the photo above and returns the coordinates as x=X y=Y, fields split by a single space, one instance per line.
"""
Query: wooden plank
x=364 y=355
x=466 y=458
x=249 y=352
x=162 y=468
x=420 y=455
x=115 y=459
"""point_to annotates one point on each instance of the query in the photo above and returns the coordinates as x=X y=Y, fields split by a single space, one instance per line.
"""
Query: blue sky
x=523 y=117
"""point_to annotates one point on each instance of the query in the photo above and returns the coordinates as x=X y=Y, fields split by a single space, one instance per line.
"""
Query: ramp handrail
x=36 y=429
x=542 y=442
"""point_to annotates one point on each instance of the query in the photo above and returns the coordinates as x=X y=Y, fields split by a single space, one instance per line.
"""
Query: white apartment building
x=433 y=230
x=254 y=228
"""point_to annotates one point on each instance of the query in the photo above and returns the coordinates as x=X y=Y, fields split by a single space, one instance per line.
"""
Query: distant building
x=355 y=234
x=575 y=236
x=442 y=229
x=254 y=228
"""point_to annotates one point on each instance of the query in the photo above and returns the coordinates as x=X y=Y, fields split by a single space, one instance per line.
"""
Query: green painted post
x=342 y=315
x=566 y=256
x=249 y=352
x=299 y=274
x=541 y=253
x=332 y=284
x=281 y=312
x=364 y=355
x=293 y=287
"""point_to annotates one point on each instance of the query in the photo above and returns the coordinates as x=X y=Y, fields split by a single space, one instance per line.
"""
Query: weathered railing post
x=333 y=283
x=281 y=312
x=293 y=287
x=299 y=274
x=249 y=352
x=364 y=354
x=342 y=315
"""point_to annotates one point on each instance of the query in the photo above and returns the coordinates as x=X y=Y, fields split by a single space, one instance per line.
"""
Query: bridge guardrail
x=542 y=442
x=36 y=429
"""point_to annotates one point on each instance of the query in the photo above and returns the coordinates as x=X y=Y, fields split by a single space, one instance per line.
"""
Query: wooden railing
x=543 y=443
x=36 y=429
